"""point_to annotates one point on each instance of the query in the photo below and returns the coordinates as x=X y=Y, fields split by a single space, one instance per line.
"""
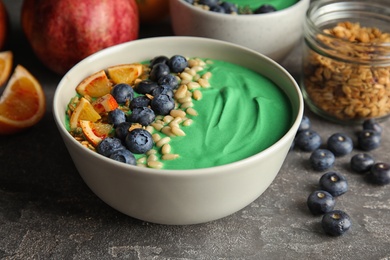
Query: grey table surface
x=47 y=212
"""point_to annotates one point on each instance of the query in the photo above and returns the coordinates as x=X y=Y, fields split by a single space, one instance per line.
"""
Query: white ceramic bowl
x=177 y=196
x=273 y=34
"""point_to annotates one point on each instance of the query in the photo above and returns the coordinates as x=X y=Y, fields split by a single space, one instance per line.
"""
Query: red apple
x=3 y=25
x=63 y=32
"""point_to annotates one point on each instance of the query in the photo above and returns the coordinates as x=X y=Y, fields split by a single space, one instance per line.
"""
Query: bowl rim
x=200 y=11
x=179 y=172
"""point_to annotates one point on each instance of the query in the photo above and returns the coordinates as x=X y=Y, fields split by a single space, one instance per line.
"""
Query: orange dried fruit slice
x=95 y=85
x=105 y=103
x=6 y=61
x=95 y=132
x=23 y=102
x=125 y=73
x=83 y=111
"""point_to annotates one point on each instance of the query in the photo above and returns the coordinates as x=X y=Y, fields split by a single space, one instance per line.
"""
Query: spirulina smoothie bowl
x=242 y=126
x=273 y=34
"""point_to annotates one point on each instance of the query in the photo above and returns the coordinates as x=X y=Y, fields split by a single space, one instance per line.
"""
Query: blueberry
x=320 y=202
x=340 y=144
x=218 y=9
x=162 y=104
x=124 y=156
x=143 y=115
x=109 y=145
x=322 y=159
x=122 y=93
x=369 y=139
x=122 y=130
x=177 y=63
x=163 y=89
x=158 y=59
x=139 y=141
x=305 y=124
x=159 y=70
x=380 y=173
x=116 y=117
x=209 y=3
x=371 y=124
x=265 y=9
x=169 y=80
x=308 y=140
x=140 y=101
x=146 y=86
x=229 y=7
x=334 y=183
x=189 y=1
x=361 y=162
x=336 y=222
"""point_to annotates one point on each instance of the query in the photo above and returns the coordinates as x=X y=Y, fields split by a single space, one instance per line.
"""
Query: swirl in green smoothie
x=241 y=114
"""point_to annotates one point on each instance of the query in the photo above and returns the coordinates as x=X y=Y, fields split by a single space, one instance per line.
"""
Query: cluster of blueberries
x=332 y=184
x=231 y=8
x=160 y=84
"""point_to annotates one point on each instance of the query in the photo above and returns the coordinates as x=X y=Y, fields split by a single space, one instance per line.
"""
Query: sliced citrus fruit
x=6 y=61
x=23 y=102
x=95 y=132
x=125 y=73
x=105 y=103
x=83 y=111
x=95 y=85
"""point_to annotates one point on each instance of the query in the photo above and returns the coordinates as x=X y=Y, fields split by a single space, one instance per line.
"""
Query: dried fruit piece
x=125 y=73
x=95 y=85
x=83 y=111
x=23 y=102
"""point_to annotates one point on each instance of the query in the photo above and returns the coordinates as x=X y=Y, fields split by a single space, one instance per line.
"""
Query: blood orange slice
x=23 y=102
x=95 y=132
x=83 y=111
x=125 y=73
x=95 y=85
x=6 y=61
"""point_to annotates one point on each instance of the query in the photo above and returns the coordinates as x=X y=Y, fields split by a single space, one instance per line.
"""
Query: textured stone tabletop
x=47 y=212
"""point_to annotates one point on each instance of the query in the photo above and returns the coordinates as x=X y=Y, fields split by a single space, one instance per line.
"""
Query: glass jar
x=346 y=59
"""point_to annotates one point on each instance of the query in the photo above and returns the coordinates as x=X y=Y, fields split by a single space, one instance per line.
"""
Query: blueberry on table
x=369 y=139
x=322 y=159
x=361 y=162
x=169 y=80
x=336 y=222
x=371 y=124
x=305 y=124
x=162 y=104
x=340 y=144
x=334 y=183
x=159 y=70
x=308 y=140
x=124 y=156
x=140 y=101
x=109 y=145
x=139 y=141
x=159 y=59
x=380 y=173
x=177 y=63
x=146 y=86
x=263 y=9
x=122 y=130
x=122 y=93
x=142 y=115
x=116 y=117
x=320 y=202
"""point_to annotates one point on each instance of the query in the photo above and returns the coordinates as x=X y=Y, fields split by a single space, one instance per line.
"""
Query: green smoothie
x=242 y=114
x=253 y=4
